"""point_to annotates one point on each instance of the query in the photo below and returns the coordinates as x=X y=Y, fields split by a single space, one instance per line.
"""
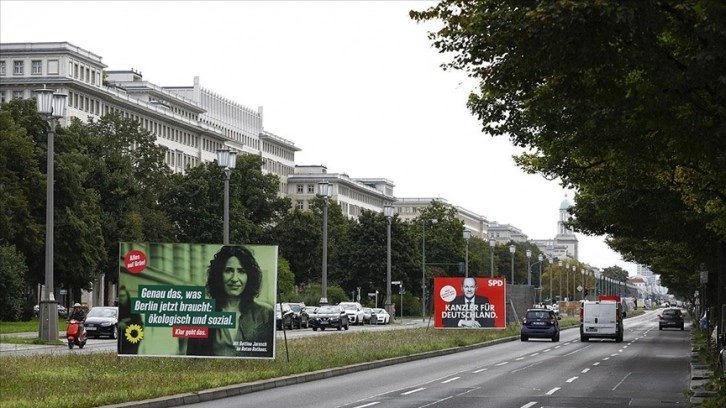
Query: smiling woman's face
x=234 y=277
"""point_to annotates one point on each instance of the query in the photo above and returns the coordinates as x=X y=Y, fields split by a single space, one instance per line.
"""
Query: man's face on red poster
x=489 y=295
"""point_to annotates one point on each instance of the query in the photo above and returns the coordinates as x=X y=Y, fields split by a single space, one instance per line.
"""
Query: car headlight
x=106 y=324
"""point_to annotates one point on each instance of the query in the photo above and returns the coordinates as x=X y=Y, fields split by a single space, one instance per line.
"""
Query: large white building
x=192 y=122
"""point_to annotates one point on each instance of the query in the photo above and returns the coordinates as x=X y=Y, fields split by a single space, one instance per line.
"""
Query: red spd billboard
x=472 y=303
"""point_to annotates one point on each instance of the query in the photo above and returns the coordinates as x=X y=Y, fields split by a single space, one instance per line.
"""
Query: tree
x=298 y=239
x=631 y=107
x=195 y=202
x=129 y=175
x=22 y=193
x=12 y=284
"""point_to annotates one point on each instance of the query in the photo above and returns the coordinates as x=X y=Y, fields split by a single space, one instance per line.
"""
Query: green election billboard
x=197 y=300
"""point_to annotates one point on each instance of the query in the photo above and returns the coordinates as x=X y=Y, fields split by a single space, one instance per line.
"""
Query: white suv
x=354 y=310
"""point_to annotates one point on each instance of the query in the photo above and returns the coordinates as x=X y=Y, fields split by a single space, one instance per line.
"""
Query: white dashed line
x=606 y=359
x=552 y=391
x=450 y=380
x=367 y=405
x=569 y=380
x=478 y=371
x=585 y=370
x=530 y=404
x=412 y=391
x=596 y=363
x=534 y=354
x=518 y=359
x=502 y=363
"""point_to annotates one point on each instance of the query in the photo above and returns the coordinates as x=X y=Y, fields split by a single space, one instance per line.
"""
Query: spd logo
x=496 y=282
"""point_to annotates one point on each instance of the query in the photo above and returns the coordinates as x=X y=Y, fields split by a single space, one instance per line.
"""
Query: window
x=52 y=67
x=36 y=67
x=311 y=188
x=17 y=94
x=300 y=204
x=18 y=68
x=299 y=188
x=2 y=67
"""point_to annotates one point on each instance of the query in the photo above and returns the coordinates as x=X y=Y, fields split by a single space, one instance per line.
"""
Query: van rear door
x=599 y=319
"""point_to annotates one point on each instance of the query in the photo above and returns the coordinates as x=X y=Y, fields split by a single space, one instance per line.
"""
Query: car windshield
x=347 y=306
x=295 y=308
x=328 y=309
x=102 y=312
x=671 y=313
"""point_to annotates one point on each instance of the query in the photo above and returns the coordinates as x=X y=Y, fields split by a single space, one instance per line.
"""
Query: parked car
x=62 y=311
x=283 y=314
x=380 y=316
x=300 y=317
x=102 y=321
x=540 y=323
x=367 y=313
x=671 y=318
x=330 y=316
x=354 y=310
x=311 y=311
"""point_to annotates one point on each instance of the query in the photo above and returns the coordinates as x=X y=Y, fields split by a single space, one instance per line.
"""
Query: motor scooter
x=73 y=336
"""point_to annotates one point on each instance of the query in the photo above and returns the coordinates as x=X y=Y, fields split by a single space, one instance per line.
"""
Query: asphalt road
x=648 y=369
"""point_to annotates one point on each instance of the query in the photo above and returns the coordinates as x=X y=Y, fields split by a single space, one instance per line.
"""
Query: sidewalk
x=4 y=347
x=700 y=375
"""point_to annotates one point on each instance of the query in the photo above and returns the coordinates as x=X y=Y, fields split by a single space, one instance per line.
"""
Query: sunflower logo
x=134 y=333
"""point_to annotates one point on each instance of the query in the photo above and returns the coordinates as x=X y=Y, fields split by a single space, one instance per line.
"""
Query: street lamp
x=388 y=213
x=529 y=273
x=226 y=159
x=492 y=244
x=559 y=276
x=512 y=248
x=540 y=258
x=52 y=106
x=467 y=236
x=423 y=268
x=552 y=272
x=574 y=282
x=325 y=191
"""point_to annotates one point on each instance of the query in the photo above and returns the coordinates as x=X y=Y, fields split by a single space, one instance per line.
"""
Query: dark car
x=671 y=318
x=329 y=316
x=101 y=321
x=283 y=313
x=300 y=317
x=540 y=323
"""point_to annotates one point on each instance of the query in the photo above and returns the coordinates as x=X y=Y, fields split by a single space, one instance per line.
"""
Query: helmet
x=76 y=305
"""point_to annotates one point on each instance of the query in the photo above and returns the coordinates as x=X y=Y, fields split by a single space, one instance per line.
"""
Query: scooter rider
x=80 y=315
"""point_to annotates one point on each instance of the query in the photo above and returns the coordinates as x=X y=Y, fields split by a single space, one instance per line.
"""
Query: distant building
x=409 y=208
x=565 y=243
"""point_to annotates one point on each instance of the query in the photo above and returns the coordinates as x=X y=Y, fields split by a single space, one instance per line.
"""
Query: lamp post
x=574 y=282
x=559 y=276
x=540 y=258
x=226 y=159
x=423 y=268
x=325 y=191
x=388 y=213
x=52 y=106
x=552 y=272
x=529 y=272
x=512 y=248
x=492 y=244
x=467 y=236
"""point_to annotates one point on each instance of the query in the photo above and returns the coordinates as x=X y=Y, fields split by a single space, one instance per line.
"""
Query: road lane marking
x=450 y=380
x=478 y=371
x=533 y=354
x=546 y=350
x=552 y=391
x=368 y=405
x=621 y=381
x=585 y=370
x=569 y=380
x=502 y=363
x=530 y=404
x=518 y=359
x=613 y=355
x=412 y=391
x=596 y=363
x=606 y=359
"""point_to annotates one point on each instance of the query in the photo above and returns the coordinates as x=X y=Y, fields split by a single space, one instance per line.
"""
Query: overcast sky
x=356 y=85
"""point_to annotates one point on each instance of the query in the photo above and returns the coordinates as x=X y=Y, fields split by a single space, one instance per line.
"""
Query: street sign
x=579 y=288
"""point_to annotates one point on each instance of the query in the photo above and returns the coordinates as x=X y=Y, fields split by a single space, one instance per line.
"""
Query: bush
x=12 y=272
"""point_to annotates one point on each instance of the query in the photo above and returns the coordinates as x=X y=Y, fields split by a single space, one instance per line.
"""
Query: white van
x=601 y=319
